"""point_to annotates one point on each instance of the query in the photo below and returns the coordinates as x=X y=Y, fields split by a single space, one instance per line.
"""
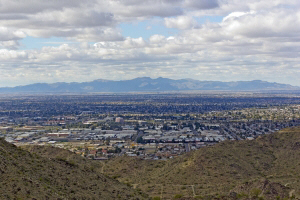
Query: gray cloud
x=35 y=6
x=202 y=4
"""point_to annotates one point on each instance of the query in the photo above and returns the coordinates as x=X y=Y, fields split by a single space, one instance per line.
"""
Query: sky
x=220 y=40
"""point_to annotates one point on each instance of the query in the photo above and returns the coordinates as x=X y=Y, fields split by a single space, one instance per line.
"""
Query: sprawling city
x=148 y=126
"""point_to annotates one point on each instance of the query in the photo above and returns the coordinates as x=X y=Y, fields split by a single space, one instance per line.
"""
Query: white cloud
x=10 y=44
x=235 y=15
x=134 y=43
x=180 y=22
x=276 y=23
x=7 y=34
x=12 y=55
x=74 y=18
x=157 y=39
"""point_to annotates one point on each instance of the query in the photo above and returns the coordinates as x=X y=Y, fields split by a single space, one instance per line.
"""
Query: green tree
x=107 y=141
x=140 y=140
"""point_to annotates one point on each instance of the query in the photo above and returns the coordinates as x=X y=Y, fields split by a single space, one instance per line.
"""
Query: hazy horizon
x=142 y=77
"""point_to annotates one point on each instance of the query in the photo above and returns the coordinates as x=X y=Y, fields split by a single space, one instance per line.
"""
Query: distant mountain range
x=146 y=84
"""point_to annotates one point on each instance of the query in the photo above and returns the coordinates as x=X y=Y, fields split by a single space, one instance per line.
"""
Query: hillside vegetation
x=265 y=168
x=25 y=175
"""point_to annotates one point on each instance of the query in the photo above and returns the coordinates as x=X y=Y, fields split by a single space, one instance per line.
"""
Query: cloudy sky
x=74 y=40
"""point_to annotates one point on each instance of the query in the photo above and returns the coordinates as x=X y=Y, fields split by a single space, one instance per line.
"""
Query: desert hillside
x=268 y=167
x=25 y=175
x=265 y=168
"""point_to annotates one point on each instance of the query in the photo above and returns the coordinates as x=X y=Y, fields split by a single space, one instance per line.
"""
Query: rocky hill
x=146 y=84
x=25 y=175
x=266 y=168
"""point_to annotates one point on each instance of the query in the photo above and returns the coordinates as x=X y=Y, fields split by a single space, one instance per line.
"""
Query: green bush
x=178 y=196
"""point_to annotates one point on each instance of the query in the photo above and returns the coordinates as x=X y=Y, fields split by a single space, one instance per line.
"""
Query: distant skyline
x=218 y=40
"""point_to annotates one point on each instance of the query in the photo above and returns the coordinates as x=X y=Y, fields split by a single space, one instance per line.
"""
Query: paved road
x=187 y=147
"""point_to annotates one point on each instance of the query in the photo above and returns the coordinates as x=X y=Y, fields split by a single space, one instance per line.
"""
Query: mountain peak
x=101 y=80
x=142 y=78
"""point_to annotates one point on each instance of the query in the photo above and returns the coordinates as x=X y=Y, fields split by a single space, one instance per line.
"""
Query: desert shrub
x=178 y=196
x=242 y=195
x=255 y=192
